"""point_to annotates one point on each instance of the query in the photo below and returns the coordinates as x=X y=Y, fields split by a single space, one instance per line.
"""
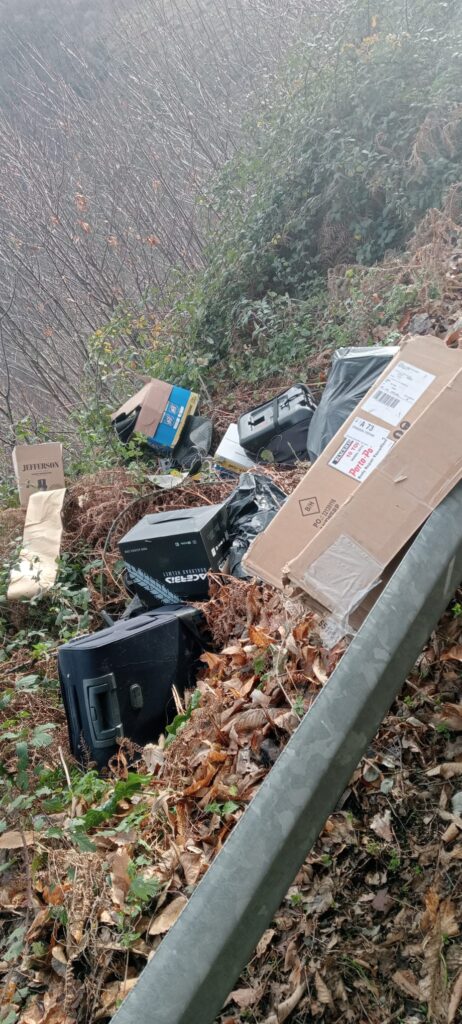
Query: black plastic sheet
x=251 y=508
x=194 y=444
x=353 y=372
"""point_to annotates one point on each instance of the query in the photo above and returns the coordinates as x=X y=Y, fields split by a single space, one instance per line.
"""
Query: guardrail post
x=196 y=965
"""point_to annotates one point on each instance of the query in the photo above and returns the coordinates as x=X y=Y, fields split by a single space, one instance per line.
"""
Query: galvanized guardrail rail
x=195 y=967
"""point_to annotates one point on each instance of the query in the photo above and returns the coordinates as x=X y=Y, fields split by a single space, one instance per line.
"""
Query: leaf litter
x=369 y=929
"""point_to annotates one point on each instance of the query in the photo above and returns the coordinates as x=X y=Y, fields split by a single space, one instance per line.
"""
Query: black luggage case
x=280 y=425
x=118 y=682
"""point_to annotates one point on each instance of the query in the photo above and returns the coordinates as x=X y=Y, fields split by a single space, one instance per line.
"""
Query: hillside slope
x=338 y=222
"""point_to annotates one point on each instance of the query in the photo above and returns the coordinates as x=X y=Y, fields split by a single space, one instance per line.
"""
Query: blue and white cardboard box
x=159 y=411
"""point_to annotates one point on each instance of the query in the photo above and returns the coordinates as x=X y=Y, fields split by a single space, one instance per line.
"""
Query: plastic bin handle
x=301 y=387
x=276 y=412
x=102 y=708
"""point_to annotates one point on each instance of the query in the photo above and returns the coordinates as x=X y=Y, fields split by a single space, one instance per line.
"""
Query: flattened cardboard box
x=345 y=562
x=38 y=467
x=422 y=370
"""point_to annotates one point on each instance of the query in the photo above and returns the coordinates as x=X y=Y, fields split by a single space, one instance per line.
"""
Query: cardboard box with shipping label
x=38 y=467
x=347 y=559
x=423 y=370
x=159 y=411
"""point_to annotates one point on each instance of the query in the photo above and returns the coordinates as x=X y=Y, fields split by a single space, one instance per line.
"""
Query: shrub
x=359 y=140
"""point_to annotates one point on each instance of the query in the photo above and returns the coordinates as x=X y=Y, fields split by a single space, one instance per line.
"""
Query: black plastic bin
x=279 y=426
x=118 y=682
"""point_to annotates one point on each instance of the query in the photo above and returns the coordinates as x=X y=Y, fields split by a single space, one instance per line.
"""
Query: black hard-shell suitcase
x=118 y=682
x=279 y=426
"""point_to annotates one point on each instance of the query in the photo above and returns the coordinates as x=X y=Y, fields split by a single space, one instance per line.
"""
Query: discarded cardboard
x=346 y=560
x=37 y=566
x=230 y=454
x=424 y=370
x=38 y=467
x=159 y=411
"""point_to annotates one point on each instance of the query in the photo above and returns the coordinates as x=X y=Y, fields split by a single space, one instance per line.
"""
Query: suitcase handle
x=253 y=422
x=301 y=387
x=276 y=413
x=102 y=708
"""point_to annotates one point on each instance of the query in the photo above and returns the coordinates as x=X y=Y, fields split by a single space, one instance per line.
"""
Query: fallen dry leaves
x=456 y=999
x=380 y=824
x=454 y=654
x=369 y=929
x=167 y=917
x=15 y=840
x=244 y=997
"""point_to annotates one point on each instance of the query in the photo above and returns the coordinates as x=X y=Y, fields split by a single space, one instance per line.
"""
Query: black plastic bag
x=125 y=426
x=251 y=507
x=194 y=444
x=353 y=372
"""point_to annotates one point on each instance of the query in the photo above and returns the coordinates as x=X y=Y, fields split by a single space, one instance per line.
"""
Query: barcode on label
x=398 y=392
x=381 y=396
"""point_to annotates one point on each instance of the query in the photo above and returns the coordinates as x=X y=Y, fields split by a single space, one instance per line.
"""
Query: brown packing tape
x=37 y=566
x=152 y=398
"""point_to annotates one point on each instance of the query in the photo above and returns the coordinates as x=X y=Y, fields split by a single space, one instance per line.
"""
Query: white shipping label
x=397 y=394
x=365 y=445
x=363 y=430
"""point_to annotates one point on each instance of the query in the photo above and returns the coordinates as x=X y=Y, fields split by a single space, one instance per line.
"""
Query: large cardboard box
x=424 y=372
x=159 y=411
x=169 y=554
x=346 y=561
x=38 y=467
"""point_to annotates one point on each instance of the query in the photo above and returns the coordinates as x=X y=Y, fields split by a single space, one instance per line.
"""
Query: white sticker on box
x=363 y=430
x=365 y=445
x=397 y=394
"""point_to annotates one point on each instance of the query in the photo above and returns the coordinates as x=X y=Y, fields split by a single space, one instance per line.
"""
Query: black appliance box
x=168 y=555
x=272 y=424
x=118 y=682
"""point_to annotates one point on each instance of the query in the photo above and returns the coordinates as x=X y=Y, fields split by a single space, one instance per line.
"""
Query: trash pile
x=381 y=459
x=391 y=462
x=242 y=588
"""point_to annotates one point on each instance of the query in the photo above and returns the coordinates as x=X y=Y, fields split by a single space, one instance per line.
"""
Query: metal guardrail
x=196 y=965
